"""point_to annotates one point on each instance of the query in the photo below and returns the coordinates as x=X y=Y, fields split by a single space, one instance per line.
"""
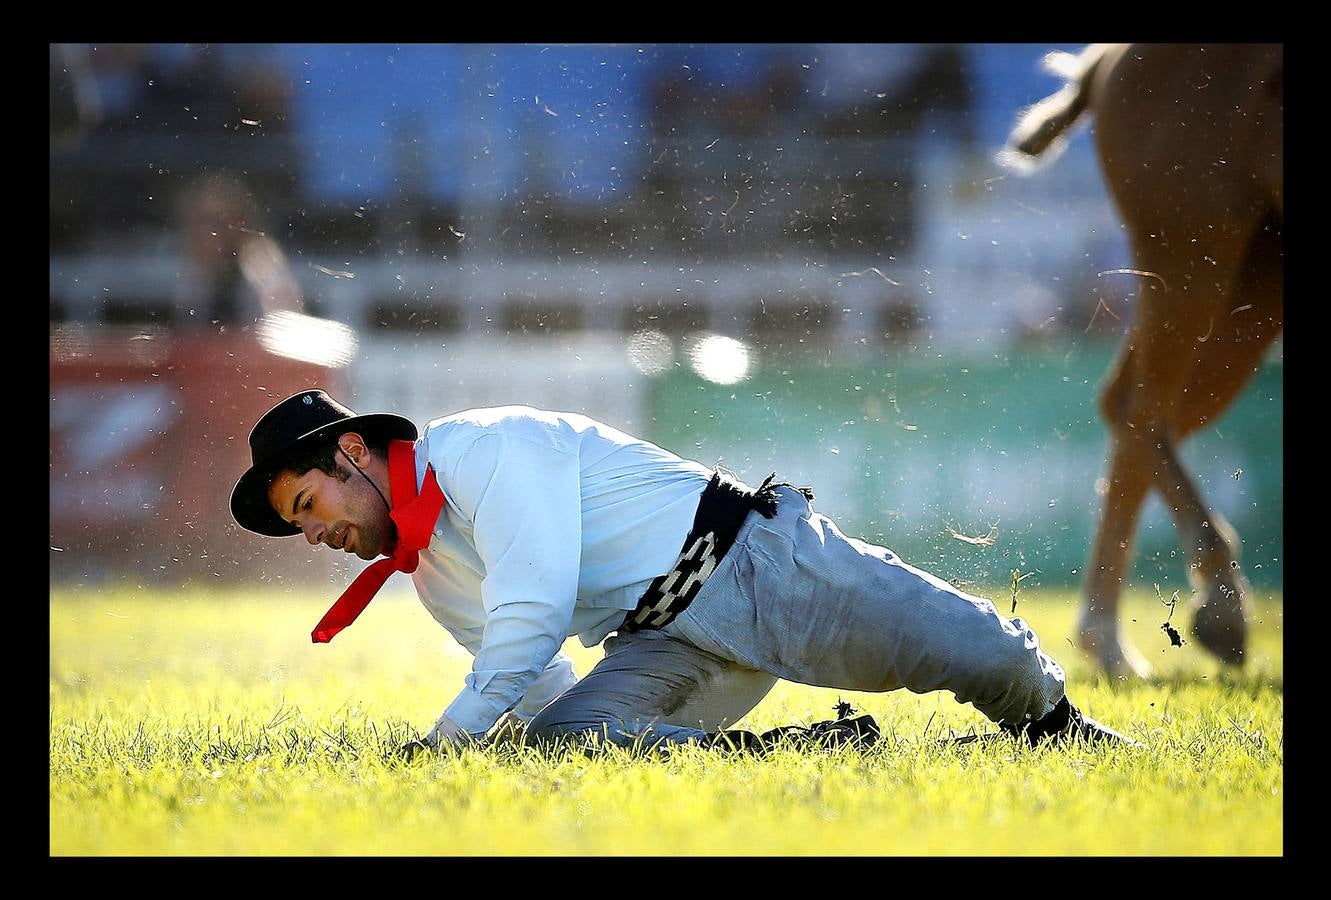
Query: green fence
x=903 y=451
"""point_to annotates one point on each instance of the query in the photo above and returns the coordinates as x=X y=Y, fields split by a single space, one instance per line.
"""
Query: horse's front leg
x=1126 y=483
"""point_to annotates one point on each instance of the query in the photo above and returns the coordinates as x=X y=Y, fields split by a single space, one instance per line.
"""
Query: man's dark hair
x=323 y=455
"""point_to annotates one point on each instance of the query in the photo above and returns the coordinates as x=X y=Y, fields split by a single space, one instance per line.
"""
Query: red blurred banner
x=149 y=432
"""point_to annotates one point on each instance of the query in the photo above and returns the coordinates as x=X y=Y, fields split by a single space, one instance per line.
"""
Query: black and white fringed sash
x=722 y=509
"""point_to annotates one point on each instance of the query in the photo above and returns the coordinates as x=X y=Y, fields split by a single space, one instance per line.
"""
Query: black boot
x=1066 y=723
x=861 y=732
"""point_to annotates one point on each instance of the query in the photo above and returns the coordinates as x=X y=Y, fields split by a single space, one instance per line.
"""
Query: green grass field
x=208 y=724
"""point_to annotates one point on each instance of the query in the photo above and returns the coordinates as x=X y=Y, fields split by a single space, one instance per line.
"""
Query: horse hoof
x=1220 y=614
x=1222 y=629
x=1112 y=654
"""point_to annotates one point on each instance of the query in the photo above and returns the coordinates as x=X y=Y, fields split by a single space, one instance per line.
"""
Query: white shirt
x=554 y=524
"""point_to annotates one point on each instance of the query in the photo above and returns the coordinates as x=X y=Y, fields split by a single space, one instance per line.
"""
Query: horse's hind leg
x=1225 y=363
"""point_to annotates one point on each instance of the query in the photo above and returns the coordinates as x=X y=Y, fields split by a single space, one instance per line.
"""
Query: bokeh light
x=721 y=359
x=651 y=352
x=307 y=338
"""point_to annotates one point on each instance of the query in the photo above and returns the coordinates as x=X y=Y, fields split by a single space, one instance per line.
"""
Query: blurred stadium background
x=798 y=258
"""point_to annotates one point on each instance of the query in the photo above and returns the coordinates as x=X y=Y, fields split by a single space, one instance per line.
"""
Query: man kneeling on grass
x=521 y=527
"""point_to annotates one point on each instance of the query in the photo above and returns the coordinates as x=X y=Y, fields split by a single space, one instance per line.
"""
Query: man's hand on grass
x=445 y=733
x=508 y=730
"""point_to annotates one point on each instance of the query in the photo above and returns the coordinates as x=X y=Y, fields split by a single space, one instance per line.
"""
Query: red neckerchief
x=415 y=518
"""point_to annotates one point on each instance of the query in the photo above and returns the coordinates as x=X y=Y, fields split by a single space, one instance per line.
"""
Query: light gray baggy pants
x=794 y=598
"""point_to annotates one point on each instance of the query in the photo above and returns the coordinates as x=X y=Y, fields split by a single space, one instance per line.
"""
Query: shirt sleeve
x=558 y=676
x=523 y=499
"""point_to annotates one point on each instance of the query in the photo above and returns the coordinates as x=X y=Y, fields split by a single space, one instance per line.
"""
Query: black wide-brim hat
x=295 y=423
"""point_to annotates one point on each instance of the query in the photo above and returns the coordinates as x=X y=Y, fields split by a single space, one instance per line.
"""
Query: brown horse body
x=1190 y=140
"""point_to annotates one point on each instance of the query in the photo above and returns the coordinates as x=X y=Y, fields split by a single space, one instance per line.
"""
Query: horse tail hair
x=1043 y=125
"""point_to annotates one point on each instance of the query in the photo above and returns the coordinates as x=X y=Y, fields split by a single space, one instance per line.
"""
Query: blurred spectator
x=129 y=121
x=899 y=89
x=75 y=104
x=236 y=272
x=201 y=89
x=851 y=75
x=901 y=321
